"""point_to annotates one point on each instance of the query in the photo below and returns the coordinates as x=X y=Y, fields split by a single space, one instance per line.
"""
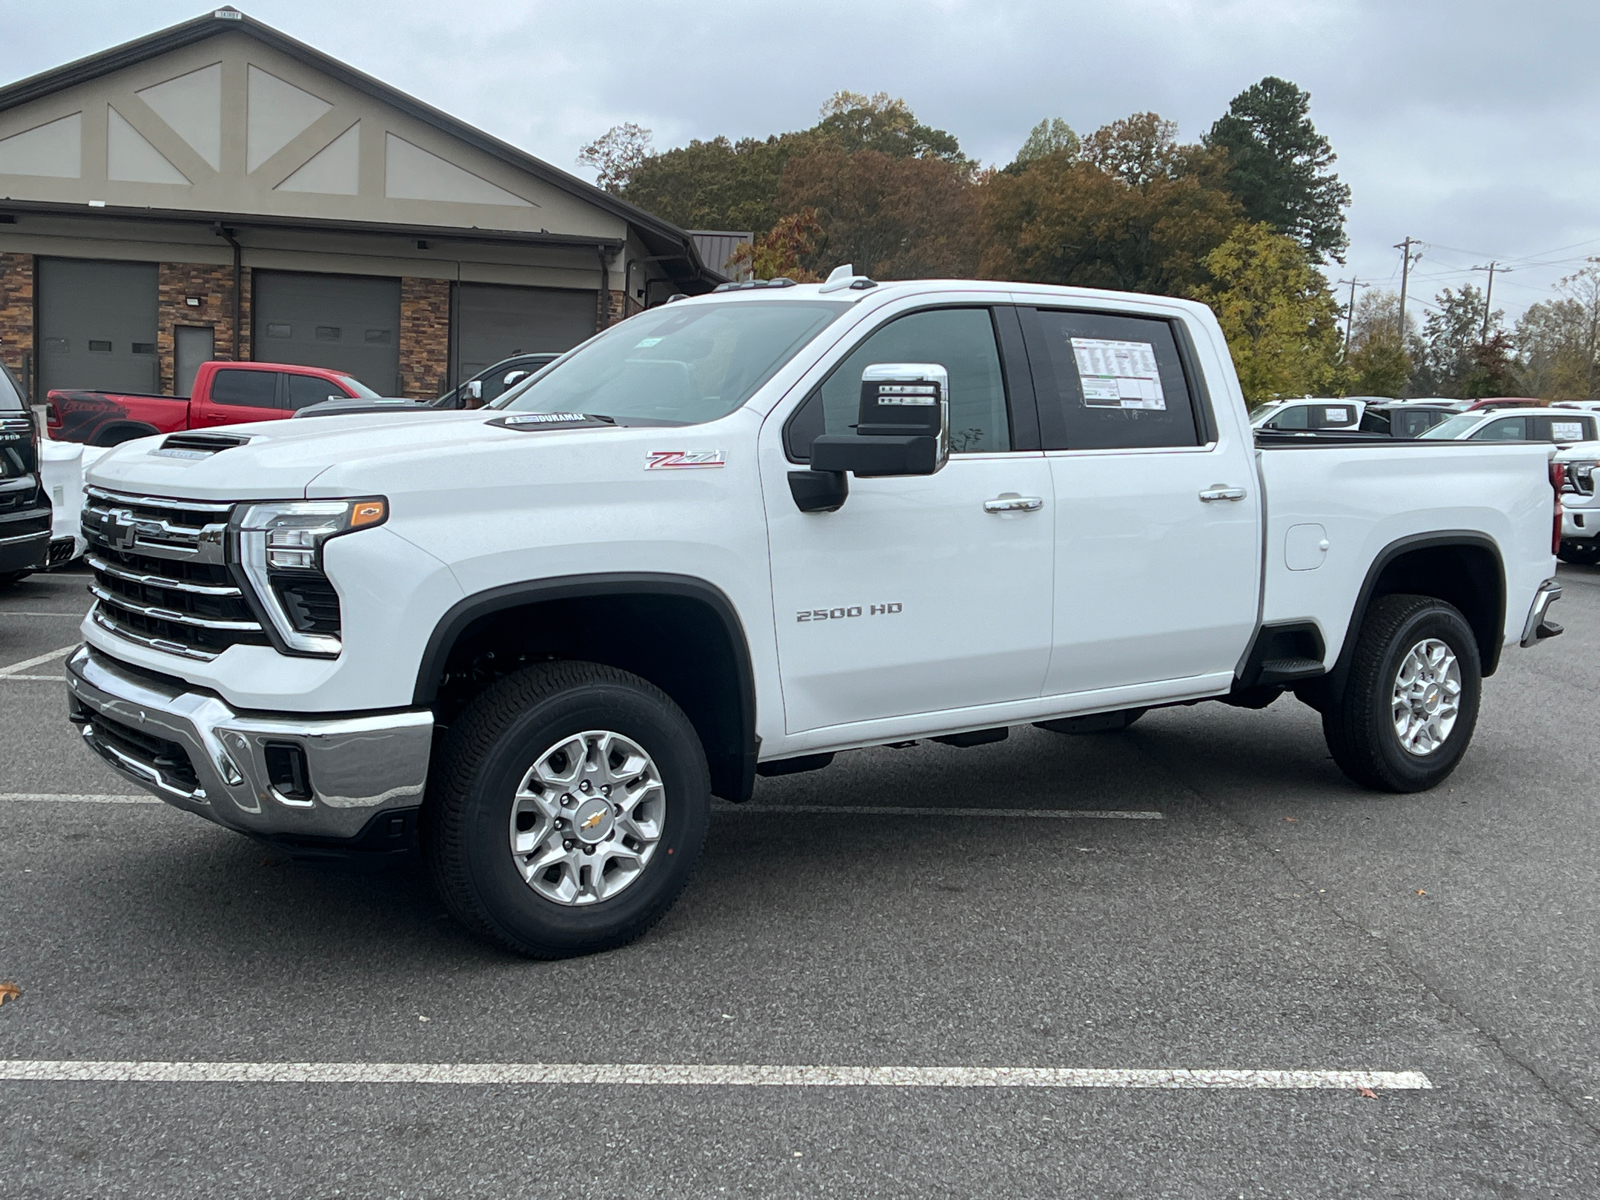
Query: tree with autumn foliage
x=1132 y=210
x=1275 y=309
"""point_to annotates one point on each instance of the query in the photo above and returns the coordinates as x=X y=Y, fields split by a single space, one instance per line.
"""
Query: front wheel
x=7 y=577
x=1410 y=702
x=567 y=810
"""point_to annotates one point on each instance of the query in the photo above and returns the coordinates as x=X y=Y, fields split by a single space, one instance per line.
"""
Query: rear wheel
x=1582 y=554
x=1410 y=703
x=568 y=808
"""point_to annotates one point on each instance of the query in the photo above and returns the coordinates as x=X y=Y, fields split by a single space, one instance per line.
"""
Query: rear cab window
x=1110 y=381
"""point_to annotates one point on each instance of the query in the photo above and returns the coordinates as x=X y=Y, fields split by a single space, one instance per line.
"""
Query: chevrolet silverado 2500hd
x=737 y=534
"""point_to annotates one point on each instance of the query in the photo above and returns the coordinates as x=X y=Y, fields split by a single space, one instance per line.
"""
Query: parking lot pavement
x=1273 y=918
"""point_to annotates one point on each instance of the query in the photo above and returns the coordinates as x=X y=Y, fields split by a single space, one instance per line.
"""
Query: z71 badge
x=685 y=460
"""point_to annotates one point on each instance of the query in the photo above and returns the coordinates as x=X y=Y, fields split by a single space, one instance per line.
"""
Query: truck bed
x=1370 y=499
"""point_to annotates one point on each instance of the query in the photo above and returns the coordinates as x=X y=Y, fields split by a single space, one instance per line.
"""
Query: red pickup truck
x=224 y=393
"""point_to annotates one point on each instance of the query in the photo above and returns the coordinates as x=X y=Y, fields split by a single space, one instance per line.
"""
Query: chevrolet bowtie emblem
x=594 y=820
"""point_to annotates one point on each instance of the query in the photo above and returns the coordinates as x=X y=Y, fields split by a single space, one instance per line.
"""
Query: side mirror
x=904 y=429
x=472 y=390
x=514 y=377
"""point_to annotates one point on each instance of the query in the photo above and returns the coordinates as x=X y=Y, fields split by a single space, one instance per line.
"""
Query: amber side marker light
x=368 y=512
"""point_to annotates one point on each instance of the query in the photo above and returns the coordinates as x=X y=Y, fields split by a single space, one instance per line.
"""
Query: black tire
x=1582 y=554
x=485 y=754
x=1360 y=727
x=7 y=577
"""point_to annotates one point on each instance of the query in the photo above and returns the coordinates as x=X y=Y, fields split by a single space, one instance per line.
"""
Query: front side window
x=961 y=340
x=245 y=389
x=1506 y=429
x=306 y=390
x=677 y=364
x=1297 y=416
x=1107 y=381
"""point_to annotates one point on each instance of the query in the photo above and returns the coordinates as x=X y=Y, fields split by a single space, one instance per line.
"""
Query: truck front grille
x=159 y=575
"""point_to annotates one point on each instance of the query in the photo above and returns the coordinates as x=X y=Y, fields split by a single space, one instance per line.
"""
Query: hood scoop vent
x=198 y=445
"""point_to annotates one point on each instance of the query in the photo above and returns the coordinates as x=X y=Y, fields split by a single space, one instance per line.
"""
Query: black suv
x=491 y=381
x=24 y=503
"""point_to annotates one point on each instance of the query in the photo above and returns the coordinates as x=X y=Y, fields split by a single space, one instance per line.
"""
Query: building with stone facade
x=220 y=190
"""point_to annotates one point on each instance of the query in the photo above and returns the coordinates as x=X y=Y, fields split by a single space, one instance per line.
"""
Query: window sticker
x=1336 y=416
x=1566 y=431
x=640 y=345
x=1119 y=374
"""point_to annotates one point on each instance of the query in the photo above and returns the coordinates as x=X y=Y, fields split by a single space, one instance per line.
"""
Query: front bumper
x=24 y=552
x=195 y=752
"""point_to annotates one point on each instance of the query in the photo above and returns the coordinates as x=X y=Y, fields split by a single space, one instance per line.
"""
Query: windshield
x=676 y=365
x=1454 y=427
x=359 y=388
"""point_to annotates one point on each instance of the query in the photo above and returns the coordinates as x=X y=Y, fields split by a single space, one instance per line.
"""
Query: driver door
x=921 y=594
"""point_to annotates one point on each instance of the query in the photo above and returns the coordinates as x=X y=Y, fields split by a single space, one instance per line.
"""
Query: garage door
x=346 y=322
x=97 y=325
x=496 y=322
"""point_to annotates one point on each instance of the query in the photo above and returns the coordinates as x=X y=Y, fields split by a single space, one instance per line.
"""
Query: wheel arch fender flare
x=1489 y=625
x=734 y=778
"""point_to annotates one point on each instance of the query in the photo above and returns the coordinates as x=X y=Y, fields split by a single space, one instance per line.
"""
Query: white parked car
x=1558 y=426
x=1309 y=415
x=61 y=467
x=738 y=534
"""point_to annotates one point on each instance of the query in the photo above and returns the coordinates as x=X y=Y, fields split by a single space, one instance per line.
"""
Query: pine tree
x=1279 y=166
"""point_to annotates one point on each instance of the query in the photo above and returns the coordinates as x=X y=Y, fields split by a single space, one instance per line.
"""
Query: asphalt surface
x=1277 y=918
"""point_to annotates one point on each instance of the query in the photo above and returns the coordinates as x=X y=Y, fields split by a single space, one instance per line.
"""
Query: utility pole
x=1405 y=271
x=1488 y=298
x=1350 y=313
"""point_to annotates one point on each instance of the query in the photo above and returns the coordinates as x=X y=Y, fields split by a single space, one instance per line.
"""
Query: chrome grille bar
x=168 y=614
x=154 y=643
x=123 y=500
x=160 y=581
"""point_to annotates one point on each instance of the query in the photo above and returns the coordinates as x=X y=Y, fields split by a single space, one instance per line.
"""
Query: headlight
x=280 y=550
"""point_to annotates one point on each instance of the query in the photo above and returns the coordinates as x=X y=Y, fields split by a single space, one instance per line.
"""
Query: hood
x=282 y=458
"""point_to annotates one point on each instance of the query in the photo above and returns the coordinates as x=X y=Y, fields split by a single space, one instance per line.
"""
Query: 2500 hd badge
x=840 y=614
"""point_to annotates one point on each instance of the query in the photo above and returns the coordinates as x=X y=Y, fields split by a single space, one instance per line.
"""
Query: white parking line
x=60 y=798
x=13 y=671
x=1049 y=814
x=701 y=1075
x=35 y=678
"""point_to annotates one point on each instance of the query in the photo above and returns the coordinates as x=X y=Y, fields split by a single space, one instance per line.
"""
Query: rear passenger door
x=238 y=396
x=1158 y=551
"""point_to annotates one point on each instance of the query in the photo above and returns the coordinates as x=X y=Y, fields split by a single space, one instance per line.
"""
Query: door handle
x=1011 y=502
x=1218 y=491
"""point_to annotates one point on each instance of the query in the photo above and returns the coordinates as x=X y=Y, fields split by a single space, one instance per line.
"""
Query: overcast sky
x=1472 y=126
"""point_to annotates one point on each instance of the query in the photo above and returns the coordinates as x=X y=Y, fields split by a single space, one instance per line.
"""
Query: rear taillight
x=1558 y=480
x=52 y=418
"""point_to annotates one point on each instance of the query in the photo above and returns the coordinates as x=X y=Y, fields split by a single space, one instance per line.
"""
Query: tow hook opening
x=288 y=771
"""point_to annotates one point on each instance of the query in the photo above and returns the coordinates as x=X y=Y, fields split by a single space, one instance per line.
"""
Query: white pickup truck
x=740 y=533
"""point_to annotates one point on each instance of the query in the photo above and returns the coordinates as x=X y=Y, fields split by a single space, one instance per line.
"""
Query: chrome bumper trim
x=358 y=765
x=1536 y=628
x=40 y=535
